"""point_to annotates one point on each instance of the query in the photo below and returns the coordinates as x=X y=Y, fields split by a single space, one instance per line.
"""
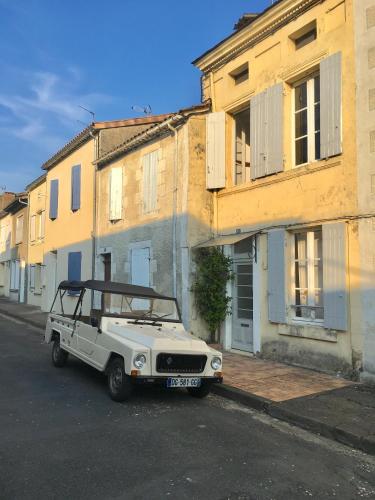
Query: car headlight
x=216 y=363
x=139 y=361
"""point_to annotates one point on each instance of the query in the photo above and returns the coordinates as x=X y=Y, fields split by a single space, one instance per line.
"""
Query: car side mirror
x=94 y=322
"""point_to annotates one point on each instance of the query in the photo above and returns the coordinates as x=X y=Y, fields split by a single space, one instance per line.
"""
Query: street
x=62 y=437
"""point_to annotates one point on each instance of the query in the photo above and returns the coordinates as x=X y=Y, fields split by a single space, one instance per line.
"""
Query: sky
x=106 y=56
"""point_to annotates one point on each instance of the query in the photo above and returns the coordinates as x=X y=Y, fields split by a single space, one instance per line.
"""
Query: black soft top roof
x=113 y=287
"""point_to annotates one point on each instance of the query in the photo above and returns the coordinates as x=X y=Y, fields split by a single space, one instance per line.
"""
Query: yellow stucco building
x=283 y=167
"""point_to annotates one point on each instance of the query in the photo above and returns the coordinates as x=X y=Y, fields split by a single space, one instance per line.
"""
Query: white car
x=136 y=338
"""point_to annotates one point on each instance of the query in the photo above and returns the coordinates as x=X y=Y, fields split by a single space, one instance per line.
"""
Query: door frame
x=227 y=326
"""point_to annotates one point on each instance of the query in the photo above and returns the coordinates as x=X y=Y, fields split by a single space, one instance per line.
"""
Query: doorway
x=242 y=296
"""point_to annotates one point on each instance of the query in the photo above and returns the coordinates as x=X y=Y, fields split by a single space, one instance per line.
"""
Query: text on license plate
x=183 y=382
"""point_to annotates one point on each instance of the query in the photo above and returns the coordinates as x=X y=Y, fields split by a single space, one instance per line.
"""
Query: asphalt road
x=61 y=437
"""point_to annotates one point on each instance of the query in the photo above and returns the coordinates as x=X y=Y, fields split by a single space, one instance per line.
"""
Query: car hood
x=159 y=338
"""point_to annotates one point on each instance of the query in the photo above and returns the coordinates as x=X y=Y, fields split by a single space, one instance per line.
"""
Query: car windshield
x=138 y=309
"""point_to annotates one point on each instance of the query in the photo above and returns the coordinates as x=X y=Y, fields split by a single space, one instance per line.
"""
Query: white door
x=242 y=297
x=140 y=273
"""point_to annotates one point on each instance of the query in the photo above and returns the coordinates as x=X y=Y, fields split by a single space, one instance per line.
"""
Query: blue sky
x=107 y=56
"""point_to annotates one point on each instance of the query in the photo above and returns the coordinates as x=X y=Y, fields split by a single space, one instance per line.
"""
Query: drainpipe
x=174 y=204
x=94 y=231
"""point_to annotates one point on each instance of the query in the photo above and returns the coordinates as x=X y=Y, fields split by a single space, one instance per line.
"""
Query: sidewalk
x=23 y=312
x=327 y=405
x=333 y=407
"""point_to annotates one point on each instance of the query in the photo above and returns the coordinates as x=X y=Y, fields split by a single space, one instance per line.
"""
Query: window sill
x=295 y=171
x=308 y=330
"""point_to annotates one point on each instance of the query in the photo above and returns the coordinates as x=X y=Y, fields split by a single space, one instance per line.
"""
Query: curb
x=276 y=411
x=22 y=319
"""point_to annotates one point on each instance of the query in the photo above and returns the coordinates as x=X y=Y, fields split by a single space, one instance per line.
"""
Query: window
x=76 y=188
x=54 y=199
x=242 y=146
x=305 y=35
x=150 y=180
x=240 y=74
x=305 y=39
x=308 y=275
x=19 y=229
x=32 y=228
x=307 y=121
x=115 y=194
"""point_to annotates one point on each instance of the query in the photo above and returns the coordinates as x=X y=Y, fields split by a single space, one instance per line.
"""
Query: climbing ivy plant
x=213 y=271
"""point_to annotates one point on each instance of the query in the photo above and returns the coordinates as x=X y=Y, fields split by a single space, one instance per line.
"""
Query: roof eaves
x=36 y=182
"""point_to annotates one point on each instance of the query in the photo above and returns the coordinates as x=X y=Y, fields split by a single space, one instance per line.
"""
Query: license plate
x=183 y=382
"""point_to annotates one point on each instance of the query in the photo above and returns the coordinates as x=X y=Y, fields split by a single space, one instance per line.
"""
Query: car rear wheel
x=59 y=356
x=119 y=383
x=200 y=392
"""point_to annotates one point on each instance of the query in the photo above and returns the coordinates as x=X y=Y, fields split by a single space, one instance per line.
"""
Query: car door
x=86 y=338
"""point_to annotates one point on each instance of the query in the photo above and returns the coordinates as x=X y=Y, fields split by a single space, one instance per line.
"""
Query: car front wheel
x=59 y=356
x=200 y=392
x=119 y=383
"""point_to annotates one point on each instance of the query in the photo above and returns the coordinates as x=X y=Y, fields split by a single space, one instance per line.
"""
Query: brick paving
x=275 y=381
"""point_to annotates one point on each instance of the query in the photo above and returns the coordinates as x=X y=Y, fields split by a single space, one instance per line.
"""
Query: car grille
x=180 y=363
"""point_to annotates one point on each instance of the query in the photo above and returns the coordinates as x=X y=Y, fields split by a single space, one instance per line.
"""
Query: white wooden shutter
x=266 y=132
x=334 y=276
x=258 y=144
x=330 y=106
x=276 y=276
x=115 y=202
x=215 y=150
x=150 y=181
x=275 y=126
x=32 y=227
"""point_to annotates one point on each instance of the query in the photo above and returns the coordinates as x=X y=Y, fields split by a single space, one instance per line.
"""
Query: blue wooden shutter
x=334 y=276
x=330 y=106
x=276 y=276
x=74 y=266
x=76 y=188
x=54 y=199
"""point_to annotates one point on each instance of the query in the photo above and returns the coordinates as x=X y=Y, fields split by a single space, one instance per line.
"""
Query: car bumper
x=145 y=380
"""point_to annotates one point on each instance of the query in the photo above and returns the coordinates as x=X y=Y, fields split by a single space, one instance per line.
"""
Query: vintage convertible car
x=136 y=337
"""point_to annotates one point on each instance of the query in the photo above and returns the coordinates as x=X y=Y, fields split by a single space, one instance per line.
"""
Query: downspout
x=94 y=222
x=174 y=208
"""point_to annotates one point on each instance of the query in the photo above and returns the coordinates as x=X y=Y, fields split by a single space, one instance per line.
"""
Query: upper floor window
x=307 y=121
x=305 y=35
x=19 y=229
x=240 y=74
x=41 y=224
x=150 y=182
x=242 y=146
x=32 y=228
x=308 y=275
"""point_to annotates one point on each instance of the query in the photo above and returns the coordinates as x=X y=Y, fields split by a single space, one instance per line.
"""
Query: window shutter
x=334 y=276
x=276 y=276
x=32 y=228
x=258 y=149
x=32 y=276
x=266 y=132
x=115 y=203
x=153 y=181
x=76 y=188
x=215 y=150
x=42 y=218
x=74 y=266
x=330 y=106
x=146 y=183
x=54 y=199
x=275 y=122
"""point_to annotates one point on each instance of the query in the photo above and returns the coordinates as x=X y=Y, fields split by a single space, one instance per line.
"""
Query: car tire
x=119 y=383
x=59 y=356
x=200 y=392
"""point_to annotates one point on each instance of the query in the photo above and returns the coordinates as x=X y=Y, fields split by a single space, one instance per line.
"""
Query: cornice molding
x=253 y=34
